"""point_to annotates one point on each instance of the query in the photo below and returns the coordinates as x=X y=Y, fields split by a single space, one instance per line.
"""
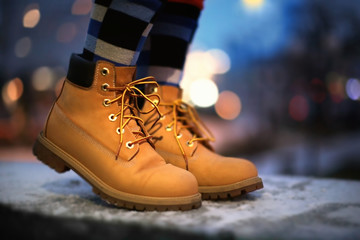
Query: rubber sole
x=231 y=190
x=57 y=159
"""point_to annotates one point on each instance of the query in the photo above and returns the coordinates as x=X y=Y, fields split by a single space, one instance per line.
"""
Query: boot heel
x=49 y=158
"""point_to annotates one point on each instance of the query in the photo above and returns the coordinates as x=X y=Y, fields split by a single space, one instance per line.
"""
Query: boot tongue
x=124 y=75
x=170 y=93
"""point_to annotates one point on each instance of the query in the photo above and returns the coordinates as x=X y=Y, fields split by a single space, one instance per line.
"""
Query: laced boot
x=94 y=130
x=182 y=139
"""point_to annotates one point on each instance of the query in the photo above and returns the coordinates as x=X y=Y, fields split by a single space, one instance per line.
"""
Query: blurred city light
x=200 y=66
x=221 y=61
x=337 y=91
x=22 y=47
x=353 y=88
x=31 y=17
x=66 y=32
x=228 y=105
x=12 y=91
x=204 y=93
x=42 y=79
x=298 y=108
x=253 y=4
x=81 y=7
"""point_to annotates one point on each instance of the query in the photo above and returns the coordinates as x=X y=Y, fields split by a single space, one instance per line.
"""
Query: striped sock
x=164 y=53
x=118 y=29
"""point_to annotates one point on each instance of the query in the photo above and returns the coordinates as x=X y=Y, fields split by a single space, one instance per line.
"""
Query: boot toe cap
x=170 y=181
x=224 y=170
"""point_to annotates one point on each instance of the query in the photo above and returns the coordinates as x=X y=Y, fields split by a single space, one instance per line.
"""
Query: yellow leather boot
x=183 y=140
x=93 y=129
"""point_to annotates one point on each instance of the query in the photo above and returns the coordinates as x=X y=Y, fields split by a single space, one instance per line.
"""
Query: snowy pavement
x=288 y=207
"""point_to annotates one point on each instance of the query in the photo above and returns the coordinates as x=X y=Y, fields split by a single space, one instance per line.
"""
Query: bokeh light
x=199 y=64
x=298 y=108
x=12 y=91
x=253 y=4
x=42 y=79
x=66 y=32
x=228 y=105
x=221 y=60
x=353 y=88
x=337 y=92
x=202 y=65
x=204 y=93
x=81 y=7
x=31 y=18
x=22 y=47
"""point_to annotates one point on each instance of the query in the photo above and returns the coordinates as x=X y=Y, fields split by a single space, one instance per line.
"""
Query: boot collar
x=81 y=72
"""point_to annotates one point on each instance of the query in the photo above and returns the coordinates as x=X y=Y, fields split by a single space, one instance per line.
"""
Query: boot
x=183 y=140
x=93 y=129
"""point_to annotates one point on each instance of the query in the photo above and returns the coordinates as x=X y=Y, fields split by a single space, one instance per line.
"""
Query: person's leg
x=92 y=127
x=118 y=29
x=165 y=50
x=181 y=137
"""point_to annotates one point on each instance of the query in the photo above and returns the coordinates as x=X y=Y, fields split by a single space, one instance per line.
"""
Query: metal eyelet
x=190 y=144
x=118 y=130
x=112 y=117
x=105 y=71
x=162 y=117
x=179 y=135
x=104 y=86
x=183 y=106
x=155 y=102
x=129 y=145
x=106 y=102
x=169 y=128
x=155 y=90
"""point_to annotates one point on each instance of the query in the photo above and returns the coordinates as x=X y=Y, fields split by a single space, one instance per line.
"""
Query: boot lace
x=128 y=101
x=186 y=117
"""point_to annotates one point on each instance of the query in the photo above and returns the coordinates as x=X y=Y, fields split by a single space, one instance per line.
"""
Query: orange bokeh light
x=228 y=105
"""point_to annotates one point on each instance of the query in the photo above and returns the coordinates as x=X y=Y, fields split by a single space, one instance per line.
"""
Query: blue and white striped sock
x=118 y=29
x=165 y=50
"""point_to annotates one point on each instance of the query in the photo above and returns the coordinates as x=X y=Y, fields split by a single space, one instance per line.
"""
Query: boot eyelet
x=104 y=86
x=106 y=102
x=155 y=90
x=112 y=117
x=183 y=106
x=105 y=71
x=155 y=102
x=162 y=117
x=179 y=135
x=190 y=144
x=169 y=128
x=129 y=145
x=118 y=130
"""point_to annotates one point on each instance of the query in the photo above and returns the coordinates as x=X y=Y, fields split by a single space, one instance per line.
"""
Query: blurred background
x=279 y=78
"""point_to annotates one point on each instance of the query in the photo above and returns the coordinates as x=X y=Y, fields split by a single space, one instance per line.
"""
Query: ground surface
x=38 y=203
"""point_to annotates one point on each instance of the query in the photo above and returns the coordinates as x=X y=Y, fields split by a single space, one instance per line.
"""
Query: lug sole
x=61 y=162
x=231 y=190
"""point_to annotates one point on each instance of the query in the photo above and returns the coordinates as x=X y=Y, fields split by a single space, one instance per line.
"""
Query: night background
x=278 y=79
